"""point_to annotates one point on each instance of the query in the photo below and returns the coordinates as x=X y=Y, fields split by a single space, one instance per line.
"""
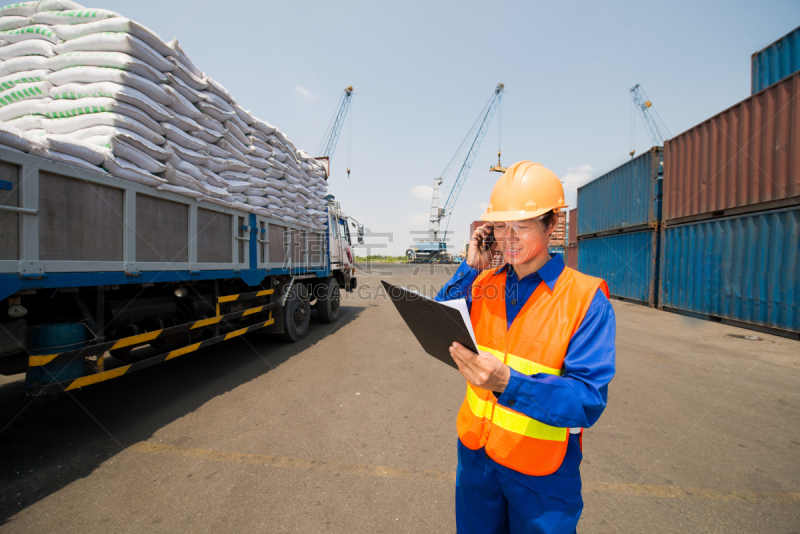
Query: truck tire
x=296 y=314
x=328 y=300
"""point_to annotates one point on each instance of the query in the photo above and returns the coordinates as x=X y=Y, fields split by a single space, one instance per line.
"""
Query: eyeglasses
x=519 y=227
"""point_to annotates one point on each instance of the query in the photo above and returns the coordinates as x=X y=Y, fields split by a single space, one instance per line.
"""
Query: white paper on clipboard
x=461 y=306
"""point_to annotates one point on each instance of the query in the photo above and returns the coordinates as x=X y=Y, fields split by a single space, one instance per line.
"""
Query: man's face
x=523 y=240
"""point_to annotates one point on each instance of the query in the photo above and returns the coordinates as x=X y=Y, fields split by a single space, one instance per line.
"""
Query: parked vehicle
x=101 y=276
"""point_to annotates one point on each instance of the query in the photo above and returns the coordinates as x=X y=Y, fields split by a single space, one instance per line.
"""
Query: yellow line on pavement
x=615 y=488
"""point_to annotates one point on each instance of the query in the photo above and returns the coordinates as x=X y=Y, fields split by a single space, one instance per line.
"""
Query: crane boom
x=435 y=248
x=649 y=115
x=336 y=127
x=473 y=151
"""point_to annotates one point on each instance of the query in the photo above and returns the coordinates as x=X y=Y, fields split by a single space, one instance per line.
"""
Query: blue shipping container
x=775 y=62
x=627 y=262
x=627 y=198
x=744 y=269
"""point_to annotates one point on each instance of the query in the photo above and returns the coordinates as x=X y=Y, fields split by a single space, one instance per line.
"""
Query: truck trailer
x=101 y=276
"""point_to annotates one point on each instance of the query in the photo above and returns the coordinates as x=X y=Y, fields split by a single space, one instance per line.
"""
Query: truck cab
x=340 y=236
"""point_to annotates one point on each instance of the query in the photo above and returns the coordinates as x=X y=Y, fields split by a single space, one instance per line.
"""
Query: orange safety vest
x=536 y=342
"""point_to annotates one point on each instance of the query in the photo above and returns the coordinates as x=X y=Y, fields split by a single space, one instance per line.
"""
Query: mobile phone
x=485 y=243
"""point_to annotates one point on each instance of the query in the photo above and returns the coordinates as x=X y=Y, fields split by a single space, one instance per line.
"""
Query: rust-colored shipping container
x=475 y=225
x=573 y=226
x=742 y=160
x=572 y=256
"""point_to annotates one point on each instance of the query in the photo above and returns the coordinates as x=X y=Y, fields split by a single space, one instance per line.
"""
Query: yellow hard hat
x=524 y=191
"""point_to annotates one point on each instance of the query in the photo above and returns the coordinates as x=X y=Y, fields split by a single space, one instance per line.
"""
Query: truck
x=101 y=277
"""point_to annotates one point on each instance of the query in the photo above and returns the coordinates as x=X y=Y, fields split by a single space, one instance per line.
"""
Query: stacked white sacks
x=88 y=87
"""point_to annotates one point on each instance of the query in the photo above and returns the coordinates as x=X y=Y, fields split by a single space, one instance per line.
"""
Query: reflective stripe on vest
x=536 y=342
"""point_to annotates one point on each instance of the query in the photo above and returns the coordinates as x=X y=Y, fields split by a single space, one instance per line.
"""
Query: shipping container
x=627 y=198
x=474 y=225
x=628 y=262
x=775 y=62
x=572 y=229
x=744 y=270
x=572 y=256
x=559 y=236
x=742 y=160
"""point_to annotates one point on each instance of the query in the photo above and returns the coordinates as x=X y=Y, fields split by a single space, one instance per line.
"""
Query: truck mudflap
x=101 y=375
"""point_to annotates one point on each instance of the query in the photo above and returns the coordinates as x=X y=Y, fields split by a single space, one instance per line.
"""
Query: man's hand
x=481 y=370
x=477 y=258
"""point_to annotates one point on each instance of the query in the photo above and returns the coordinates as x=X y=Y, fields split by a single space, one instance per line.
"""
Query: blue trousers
x=488 y=501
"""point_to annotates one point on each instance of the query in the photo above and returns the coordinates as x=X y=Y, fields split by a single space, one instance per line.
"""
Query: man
x=545 y=336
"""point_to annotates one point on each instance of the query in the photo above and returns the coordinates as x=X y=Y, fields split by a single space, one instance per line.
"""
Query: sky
x=423 y=70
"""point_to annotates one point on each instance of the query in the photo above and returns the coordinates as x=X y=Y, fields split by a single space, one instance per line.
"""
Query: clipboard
x=435 y=325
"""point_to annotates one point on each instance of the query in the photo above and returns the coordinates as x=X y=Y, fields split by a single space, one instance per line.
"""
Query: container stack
x=558 y=238
x=90 y=88
x=572 y=239
x=731 y=236
x=775 y=62
x=618 y=227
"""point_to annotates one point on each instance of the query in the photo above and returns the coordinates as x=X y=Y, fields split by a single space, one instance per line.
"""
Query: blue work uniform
x=492 y=498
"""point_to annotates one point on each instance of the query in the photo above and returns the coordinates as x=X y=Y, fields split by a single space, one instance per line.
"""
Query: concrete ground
x=353 y=430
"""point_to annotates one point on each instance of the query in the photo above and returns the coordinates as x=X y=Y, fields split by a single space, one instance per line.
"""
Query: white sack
x=213 y=178
x=257 y=201
x=178 y=177
x=116 y=42
x=14 y=138
x=29 y=47
x=13 y=22
x=209 y=136
x=218 y=201
x=116 y=60
x=60 y=109
x=57 y=5
x=63 y=158
x=181 y=56
x=121 y=168
x=26 y=122
x=178 y=136
x=21 y=64
x=180 y=104
x=25 y=91
x=236 y=186
x=119 y=25
x=123 y=93
x=192 y=156
x=22 y=9
x=105 y=74
x=31 y=76
x=72 y=124
x=72 y=16
x=235 y=175
x=237 y=132
x=244 y=115
x=214 y=111
x=230 y=147
x=186 y=76
x=83 y=150
x=185 y=191
x=258 y=173
x=180 y=86
x=36 y=31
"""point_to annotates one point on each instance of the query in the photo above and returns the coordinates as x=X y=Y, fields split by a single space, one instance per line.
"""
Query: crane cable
x=349 y=138
x=633 y=127
x=467 y=137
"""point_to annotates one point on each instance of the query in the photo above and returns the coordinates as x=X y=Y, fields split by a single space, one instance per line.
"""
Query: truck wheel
x=328 y=301
x=296 y=314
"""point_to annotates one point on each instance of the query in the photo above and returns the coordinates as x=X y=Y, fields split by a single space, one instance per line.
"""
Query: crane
x=331 y=138
x=435 y=248
x=652 y=120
